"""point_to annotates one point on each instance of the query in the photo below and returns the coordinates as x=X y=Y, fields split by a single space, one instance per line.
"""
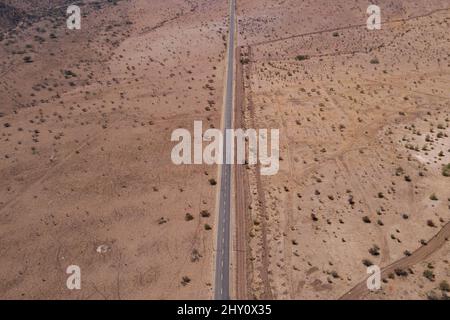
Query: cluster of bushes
x=446 y=170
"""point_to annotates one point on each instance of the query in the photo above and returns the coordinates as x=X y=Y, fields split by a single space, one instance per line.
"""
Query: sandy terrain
x=85 y=126
x=86 y=119
x=364 y=126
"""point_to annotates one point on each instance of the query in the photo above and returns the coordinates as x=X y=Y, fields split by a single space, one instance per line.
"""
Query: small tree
x=400 y=272
x=446 y=170
x=429 y=274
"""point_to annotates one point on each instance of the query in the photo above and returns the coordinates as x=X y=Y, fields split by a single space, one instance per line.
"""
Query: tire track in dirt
x=442 y=237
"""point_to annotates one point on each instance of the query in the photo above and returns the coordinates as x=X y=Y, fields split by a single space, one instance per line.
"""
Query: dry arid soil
x=364 y=137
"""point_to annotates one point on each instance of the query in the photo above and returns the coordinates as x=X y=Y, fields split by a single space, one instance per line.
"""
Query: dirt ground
x=85 y=124
x=86 y=118
x=364 y=134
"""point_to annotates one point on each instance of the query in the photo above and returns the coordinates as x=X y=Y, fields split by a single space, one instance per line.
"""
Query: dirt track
x=440 y=239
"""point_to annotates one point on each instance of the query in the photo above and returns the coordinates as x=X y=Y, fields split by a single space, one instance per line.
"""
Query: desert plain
x=86 y=118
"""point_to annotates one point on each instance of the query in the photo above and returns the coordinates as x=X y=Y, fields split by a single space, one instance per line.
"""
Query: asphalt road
x=222 y=281
x=361 y=290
